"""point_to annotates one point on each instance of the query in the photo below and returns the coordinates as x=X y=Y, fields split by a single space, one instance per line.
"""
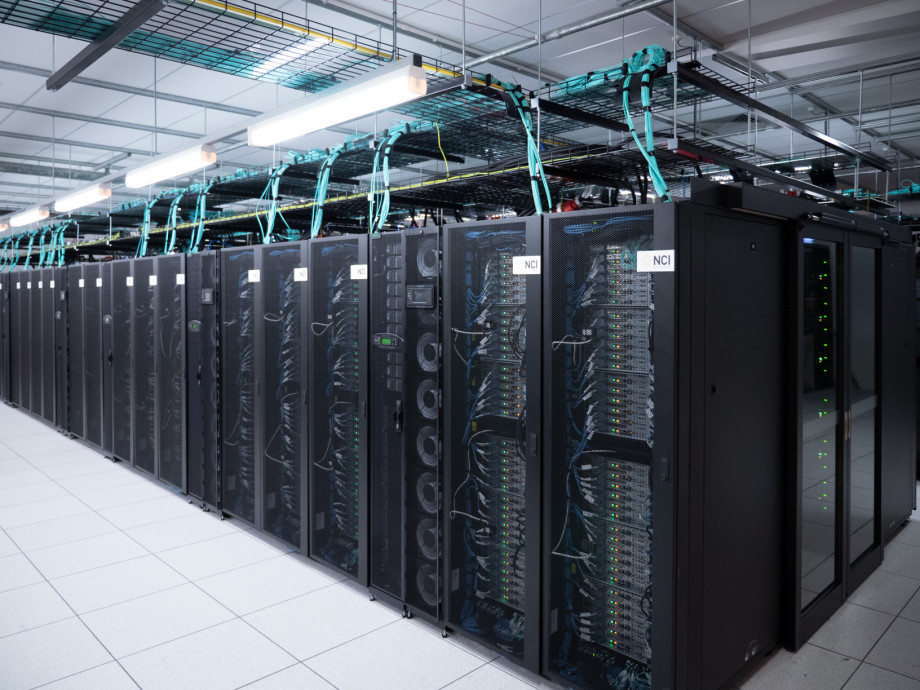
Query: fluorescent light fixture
x=382 y=89
x=29 y=216
x=288 y=55
x=83 y=197
x=177 y=164
x=4 y=226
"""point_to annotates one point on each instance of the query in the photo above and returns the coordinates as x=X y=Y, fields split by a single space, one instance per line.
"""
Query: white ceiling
x=65 y=132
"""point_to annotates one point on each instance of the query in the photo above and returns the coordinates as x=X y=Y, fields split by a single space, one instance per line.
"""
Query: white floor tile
x=40 y=511
x=17 y=571
x=41 y=535
x=79 y=468
x=180 y=531
x=811 y=667
x=902 y=559
x=147 y=621
x=885 y=591
x=491 y=677
x=912 y=610
x=86 y=554
x=30 y=493
x=229 y=655
x=396 y=656
x=868 y=677
x=49 y=653
x=13 y=463
x=469 y=645
x=43 y=458
x=516 y=670
x=321 y=620
x=23 y=477
x=297 y=676
x=88 y=483
x=909 y=534
x=7 y=546
x=114 y=584
x=852 y=630
x=263 y=584
x=218 y=555
x=29 y=607
x=124 y=495
x=899 y=649
x=147 y=512
x=109 y=676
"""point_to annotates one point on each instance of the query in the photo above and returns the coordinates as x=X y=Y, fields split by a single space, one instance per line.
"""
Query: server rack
x=169 y=357
x=75 y=351
x=5 y=336
x=108 y=360
x=92 y=340
x=144 y=363
x=492 y=413
x=19 y=349
x=119 y=286
x=34 y=341
x=61 y=373
x=46 y=287
x=203 y=377
x=239 y=276
x=404 y=420
x=338 y=400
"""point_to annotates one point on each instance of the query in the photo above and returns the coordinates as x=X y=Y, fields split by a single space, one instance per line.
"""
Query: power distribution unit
x=492 y=425
x=405 y=419
x=203 y=378
x=338 y=444
x=118 y=282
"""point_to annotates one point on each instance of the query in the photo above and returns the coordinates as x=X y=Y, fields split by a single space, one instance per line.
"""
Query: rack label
x=655 y=261
x=359 y=271
x=98 y=282
x=254 y=275
x=300 y=275
x=80 y=282
x=129 y=281
x=180 y=279
x=51 y=285
x=525 y=265
x=29 y=285
x=40 y=282
x=152 y=281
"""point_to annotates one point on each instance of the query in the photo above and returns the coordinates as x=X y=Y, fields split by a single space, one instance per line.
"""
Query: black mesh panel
x=47 y=291
x=144 y=372
x=76 y=369
x=122 y=326
x=92 y=334
x=170 y=358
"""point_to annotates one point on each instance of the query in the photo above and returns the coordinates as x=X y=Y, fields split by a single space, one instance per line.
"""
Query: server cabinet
x=92 y=340
x=203 y=376
x=76 y=371
x=169 y=335
x=46 y=288
x=238 y=278
x=144 y=364
x=338 y=399
x=5 y=336
x=108 y=358
x=492 y=412
x=404 y=419
x=119 y=286
x=61 y=375
x=34 y=335
x=279 y=334
x=19 y=329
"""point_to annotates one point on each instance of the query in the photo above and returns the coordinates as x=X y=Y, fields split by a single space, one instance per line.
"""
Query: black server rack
x=92 y=340
x=76 y=372
x=169 y=358
x=238 y=279
x=203 y=376
x=46 y=288
x=280 y=338
x=143 y=363
x=59 y=310
x=338 y=400
x=492 y=412
x=119 y=285
x=108 y=360
x=19 y=320
x=34 y=339
x=5 y=336
x=404 y=419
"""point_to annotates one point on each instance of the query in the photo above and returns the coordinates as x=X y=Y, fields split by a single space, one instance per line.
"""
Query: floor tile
x=49 y=653
x=852 y=630
x=81 y=467
x=523 y=674
x=491 y=677
x=469 y=645
x=141 y=623
x=11 y=480
x=400 y=655
x=41 y=535
x=868 y=677
x=811 y=667
x=297 y=676
x=17 y=571
x=124 y=495
x=116 y=583
x=218 y=555
x=188 y=529
x=88 y=483
x=338 y=615
x=899 y=649
x=40 y=511
x=902 y=559
x=226 y=656
x=109 y=676
x=52 y=457
x=885 y=591
x=912 y=610
x=146 y=512
x=13 y=463
x=30 y=493
x=263 y=584
x=29 y=607
x=86 y=554
x=909 y=534
x=7 y=546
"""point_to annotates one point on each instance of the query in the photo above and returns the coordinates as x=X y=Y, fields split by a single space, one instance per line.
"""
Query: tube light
x=382 y=89
x=177 y=164
x=29 y=216
x=287 y=56
x=83 y=197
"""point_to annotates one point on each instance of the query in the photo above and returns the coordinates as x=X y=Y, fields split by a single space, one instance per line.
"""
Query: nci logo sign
x=655 y=260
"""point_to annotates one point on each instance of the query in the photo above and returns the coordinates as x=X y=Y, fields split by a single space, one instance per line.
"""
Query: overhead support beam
x=129 y=22
x=76 y=144
x=691 y=76
x=667 y=18
x=427 y=153
x=577 y=115
x=47 y=171
x=568 y=30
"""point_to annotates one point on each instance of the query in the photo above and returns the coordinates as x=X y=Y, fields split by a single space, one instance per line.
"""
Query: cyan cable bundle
x=534 y=162
x=378 y=214
x=322 y=185
x=29 y=251
x=145 y=228
x=171 y=223
x=644 y=63
x=41 y=246
x=14 y=257
x=200 y=213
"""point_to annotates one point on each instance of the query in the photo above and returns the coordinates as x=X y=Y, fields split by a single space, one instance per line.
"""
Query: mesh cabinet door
x=76 y=368
x=121 y=287
x=47 y=292
x=144 y=364
x=170 y=368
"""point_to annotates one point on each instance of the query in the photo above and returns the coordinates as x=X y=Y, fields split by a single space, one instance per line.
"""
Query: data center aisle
x=109 y=580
